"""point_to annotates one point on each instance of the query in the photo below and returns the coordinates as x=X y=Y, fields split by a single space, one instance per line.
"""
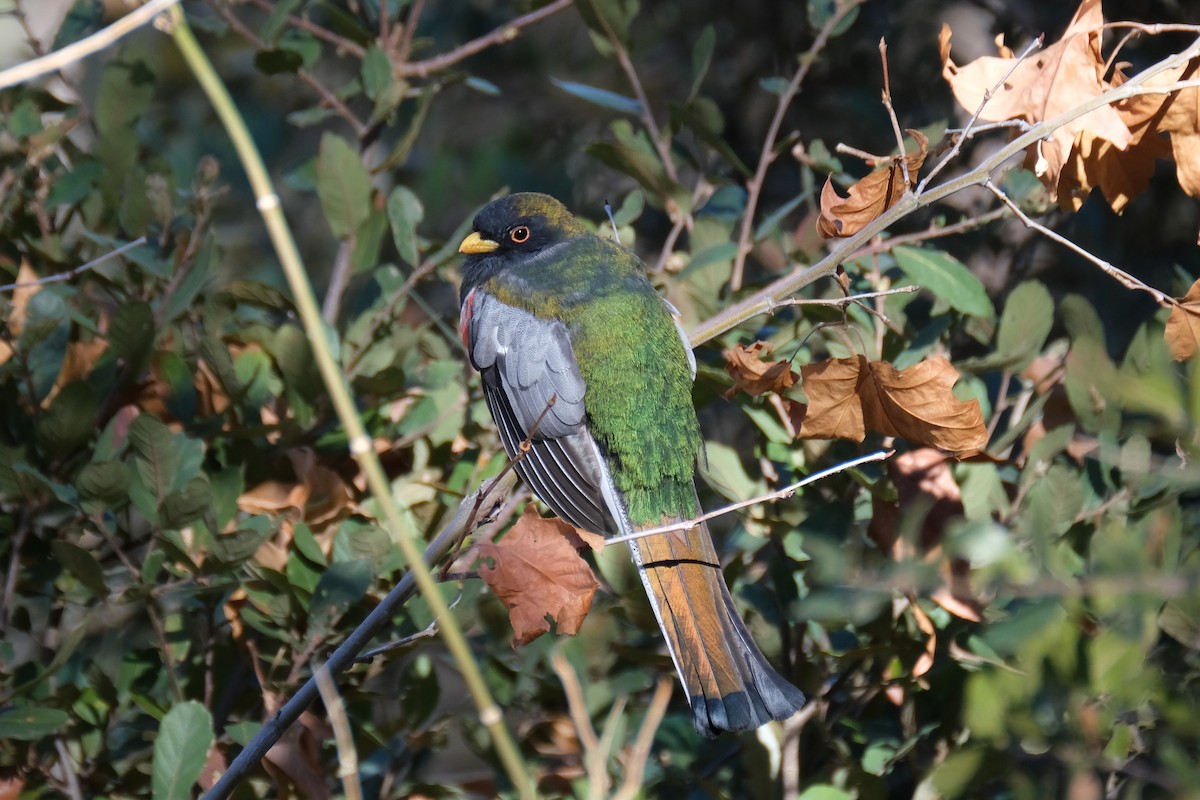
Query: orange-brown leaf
x=754 y=376
x=1183 y=326
x=870 y=197
x=536 y=571
x=834 y=407
x=1046 y=84
x=847 y=396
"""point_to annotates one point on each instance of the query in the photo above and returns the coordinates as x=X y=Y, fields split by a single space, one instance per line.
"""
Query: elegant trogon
x=582 y=357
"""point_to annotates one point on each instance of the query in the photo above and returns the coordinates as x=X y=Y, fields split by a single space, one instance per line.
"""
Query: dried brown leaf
x=536 y=571
x=869 y=197
x=754 y=376
x=1048 y=83
x=847 y=396
x=1183 y=326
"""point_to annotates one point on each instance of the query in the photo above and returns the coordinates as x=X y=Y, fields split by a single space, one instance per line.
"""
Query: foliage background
x=184 y=535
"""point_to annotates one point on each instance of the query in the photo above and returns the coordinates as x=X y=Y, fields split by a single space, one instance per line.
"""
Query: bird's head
x=514 y=228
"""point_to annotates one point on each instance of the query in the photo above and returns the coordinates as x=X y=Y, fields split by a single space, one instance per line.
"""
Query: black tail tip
x=743 y=711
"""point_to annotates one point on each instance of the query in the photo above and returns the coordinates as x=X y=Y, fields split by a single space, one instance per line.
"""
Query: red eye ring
x=519 y=234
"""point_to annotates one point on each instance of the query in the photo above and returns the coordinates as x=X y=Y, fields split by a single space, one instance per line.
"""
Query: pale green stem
x=360 y=443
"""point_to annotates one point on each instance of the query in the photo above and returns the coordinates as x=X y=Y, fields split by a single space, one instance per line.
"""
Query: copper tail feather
x=728 y=681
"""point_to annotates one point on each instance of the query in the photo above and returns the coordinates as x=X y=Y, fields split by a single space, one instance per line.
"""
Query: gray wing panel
x=524 y=362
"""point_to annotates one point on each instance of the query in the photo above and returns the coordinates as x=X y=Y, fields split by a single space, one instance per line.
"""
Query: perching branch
x=778 y=494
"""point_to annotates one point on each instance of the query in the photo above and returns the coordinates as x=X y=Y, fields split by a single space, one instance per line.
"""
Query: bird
x=584 y=363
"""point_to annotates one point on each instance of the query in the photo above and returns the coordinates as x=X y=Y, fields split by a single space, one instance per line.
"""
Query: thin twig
x=1113 y=271
x=72 y=789
x=646 y=112
x=594 y=761
x=340 y=42
x=639 y=754
x=778 y=494
x=767 y=155
x=842 y=302
x=71 y=273
x=369 y=656
x=85 y=47
x=932 y=232
x=953 y=152
x=342 y=735
x=410 y=29
x=891 y=110
x=338 y=279
x=385 y=317
x=502 y=35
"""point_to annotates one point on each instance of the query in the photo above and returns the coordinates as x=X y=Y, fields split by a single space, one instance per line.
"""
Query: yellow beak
x=476 y=244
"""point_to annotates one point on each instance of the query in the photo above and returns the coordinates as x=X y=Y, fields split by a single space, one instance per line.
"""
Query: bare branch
x=502 y=35
x=85 y=47
x=58 y=277
x=346 y=751
x=1113 y=271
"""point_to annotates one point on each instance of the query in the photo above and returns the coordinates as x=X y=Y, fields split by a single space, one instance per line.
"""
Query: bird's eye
x=519 y=234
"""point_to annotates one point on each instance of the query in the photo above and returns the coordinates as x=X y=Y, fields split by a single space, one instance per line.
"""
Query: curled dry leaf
x=871 y=196
x=1183 y=326
x=536 y=571
x=848 y=396
x=754 y=376
x=1113 y=148
x=1050 y=82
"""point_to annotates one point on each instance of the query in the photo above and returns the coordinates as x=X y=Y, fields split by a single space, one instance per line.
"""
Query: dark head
x=509 y=231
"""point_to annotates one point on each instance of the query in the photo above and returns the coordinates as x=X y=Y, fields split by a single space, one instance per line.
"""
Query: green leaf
x=702 y=52
x=131 y=333
x=302 y=538
x=232 y=548
x=70 y=421
x=946 y=278
x=343 y=584
x=608 y=18
x=600 y=97
x=634 y=155
x=187 y=504
x=105 y=481
x=82 y=564
x=124 y=95
x=180 y=750
x=1024 y=325
x=482 y=86
x=376 y=72
x=156 y=456
x=85 y=18
x=368 y=242
x=343 y=186
x=702 y=116
x=30 y=723
x=278 y=20
x=405 y=212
